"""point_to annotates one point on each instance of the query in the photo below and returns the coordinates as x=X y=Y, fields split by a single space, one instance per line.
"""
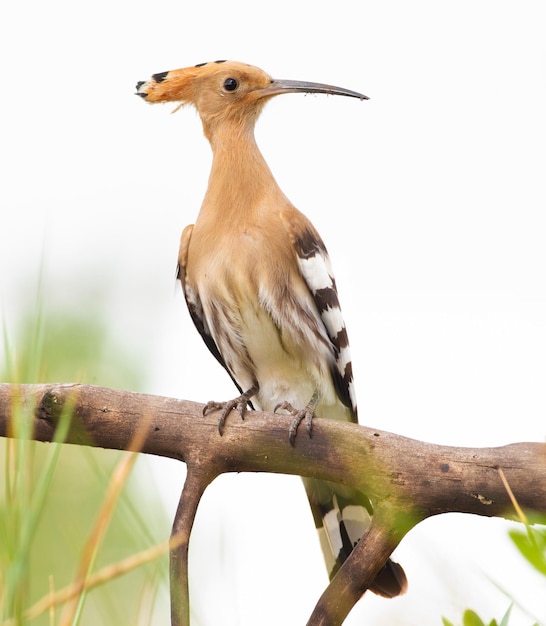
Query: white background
x=430 y=197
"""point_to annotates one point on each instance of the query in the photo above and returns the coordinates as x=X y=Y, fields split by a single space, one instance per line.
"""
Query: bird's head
x=224 y=91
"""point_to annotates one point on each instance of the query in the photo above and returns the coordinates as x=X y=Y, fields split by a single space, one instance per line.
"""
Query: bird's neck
x=240 y=181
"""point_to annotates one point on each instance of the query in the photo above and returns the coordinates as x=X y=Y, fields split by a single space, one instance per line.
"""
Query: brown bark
x=406 y=480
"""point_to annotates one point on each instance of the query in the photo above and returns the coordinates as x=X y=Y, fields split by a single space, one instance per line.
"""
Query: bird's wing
x=193 y=301
x=316 y=270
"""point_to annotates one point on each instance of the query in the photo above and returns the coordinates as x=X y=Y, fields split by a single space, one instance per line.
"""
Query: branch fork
x=406 y=480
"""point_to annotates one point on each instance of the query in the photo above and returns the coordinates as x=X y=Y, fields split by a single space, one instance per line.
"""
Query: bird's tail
x=342 y=515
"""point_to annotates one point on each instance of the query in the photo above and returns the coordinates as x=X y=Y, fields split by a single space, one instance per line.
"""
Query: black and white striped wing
x=316 y=269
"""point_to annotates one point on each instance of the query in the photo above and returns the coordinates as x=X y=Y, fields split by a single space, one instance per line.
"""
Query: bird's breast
x=260 y=314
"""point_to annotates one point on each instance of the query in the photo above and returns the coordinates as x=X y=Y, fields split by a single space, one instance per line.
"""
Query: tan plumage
x=259 y=286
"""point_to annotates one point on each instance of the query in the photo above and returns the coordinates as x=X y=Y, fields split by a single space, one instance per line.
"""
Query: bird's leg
x=239 y=403
x=299 y=415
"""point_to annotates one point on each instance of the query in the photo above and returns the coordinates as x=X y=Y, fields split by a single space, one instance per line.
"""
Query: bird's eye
x=231 y=84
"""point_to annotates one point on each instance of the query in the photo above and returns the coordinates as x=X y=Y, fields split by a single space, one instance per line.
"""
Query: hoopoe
x=260 y=289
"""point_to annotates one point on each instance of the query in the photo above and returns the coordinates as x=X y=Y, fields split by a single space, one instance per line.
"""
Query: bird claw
x=239 y=403
x=306 y=414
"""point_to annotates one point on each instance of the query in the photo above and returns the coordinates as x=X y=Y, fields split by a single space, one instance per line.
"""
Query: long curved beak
x=277 y=87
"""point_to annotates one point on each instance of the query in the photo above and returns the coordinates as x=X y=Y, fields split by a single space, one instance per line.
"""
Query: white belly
x=274 y=337
x=287 y=366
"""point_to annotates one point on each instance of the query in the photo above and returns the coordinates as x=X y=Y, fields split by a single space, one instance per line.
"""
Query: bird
x=260 y=289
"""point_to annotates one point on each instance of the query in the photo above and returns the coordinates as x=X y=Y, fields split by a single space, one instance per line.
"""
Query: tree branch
x=196 y=482
x=406 y=480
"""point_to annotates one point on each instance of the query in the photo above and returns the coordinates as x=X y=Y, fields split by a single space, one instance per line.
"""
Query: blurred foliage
x=531 y=543
x=70 y=346
x=73 y=346
x=470 y=618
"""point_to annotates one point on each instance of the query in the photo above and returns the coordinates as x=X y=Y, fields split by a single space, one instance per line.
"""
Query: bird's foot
x=306 y=414
x=240 y=403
